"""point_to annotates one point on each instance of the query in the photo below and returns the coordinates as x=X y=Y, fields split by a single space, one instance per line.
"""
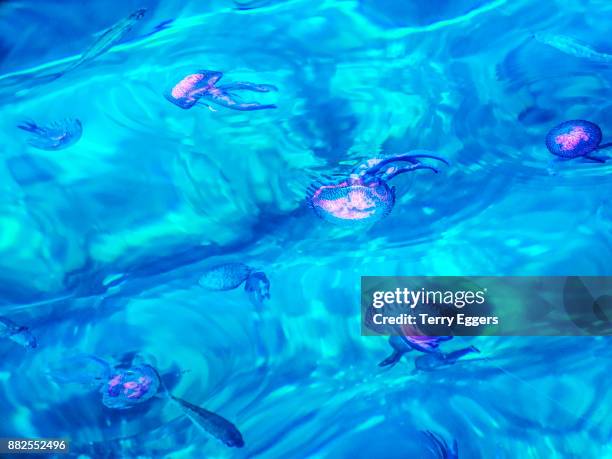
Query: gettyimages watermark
x=493 y=306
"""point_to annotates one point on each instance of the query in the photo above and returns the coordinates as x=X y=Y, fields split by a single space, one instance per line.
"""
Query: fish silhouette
x=212 y=423
x=572 y=47
x=209 y=422
x=107 y=39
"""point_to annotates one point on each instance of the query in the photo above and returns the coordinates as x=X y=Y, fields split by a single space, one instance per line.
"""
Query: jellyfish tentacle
x=595 y=158
x=246 y=86
x=391 y=360
x=408 y=157
x=201 y=86
x=453 y=356
x=226 y=99
x=209 y=77
x=243 y=106
x=424 y=155
x=605 y=145
x=199 y=92
x=402 y=170
x=257 y=287
x=439 y=445
x=599 y=159
x=30 y=127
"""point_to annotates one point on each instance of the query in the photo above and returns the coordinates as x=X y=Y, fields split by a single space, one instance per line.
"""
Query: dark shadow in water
x=586 y=312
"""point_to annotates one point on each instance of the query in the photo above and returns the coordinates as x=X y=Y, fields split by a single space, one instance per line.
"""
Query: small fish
x=210 y=422
x=572 y=47
x=108 y=39
x=54 y=136
x=17 y=333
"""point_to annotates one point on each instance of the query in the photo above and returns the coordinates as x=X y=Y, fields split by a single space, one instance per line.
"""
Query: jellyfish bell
x=364 y=197
x=225 y=276
x=188 y=91
x=126 y=388
x=573 y=139
x=353 y=201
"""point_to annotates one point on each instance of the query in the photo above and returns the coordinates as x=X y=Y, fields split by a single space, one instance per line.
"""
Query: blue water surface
x=102 y=243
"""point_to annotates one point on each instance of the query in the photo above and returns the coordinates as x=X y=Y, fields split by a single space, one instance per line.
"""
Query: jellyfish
x=574 y=139
x=403 y=344
x=364 y=196
x=55 y=136
x=19 y=334
x=123 y=388
x=229 y=276
x=430 y=362
x=128 y=387
x=200 y=86
x=440 y=448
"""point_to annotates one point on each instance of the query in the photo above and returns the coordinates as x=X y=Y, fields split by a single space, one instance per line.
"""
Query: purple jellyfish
x=201 y=85
x=128 y=387
x=55 y=136
x=575 y=138
x=365 y=196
